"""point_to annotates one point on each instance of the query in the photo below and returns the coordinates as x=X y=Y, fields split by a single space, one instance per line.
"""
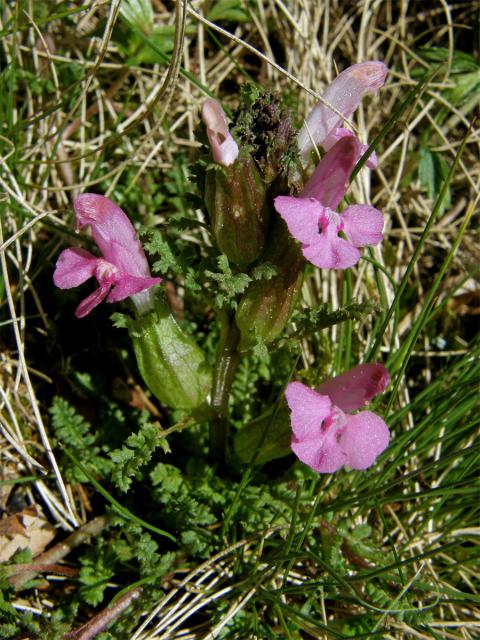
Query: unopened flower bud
x=223 y=146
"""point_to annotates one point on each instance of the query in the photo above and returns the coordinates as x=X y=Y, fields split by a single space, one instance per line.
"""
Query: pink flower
x=326 y=435
x=324 y=126
x=372 y=162
x=313 y=221
x=121 y=272
x=223 y=146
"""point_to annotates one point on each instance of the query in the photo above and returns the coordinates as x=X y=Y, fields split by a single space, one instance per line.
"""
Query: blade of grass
x=405 y=351
x=401 y=288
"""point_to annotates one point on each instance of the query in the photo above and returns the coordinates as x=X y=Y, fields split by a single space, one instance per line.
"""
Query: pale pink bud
x=223 y=146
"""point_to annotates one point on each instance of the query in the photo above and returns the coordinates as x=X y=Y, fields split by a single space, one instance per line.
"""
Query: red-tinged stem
x=61 y=550
x=99 y=622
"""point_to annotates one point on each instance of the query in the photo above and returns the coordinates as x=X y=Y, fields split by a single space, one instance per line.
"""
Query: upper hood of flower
x=113 y=232
x=344 y=95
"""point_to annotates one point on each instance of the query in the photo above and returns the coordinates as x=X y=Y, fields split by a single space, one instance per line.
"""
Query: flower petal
x=308 y=410
x=332 y=457
x=113 y=232
x=92 y=300
x=372 y=162
x=344 y=93
x=308 y=451
x=127 y=285
x=323 y=453
x=362 y=224
x=74 y=267
x=363 y=439
x=223 y=146
x=302 y=216
x=329 y=182
x=331 y=252
x=320 y=454
x=352 y=390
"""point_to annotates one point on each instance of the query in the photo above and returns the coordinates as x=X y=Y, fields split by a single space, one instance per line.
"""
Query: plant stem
x=223 y=376
x=100 y=621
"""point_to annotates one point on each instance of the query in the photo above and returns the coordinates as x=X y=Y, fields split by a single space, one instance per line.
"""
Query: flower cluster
x=326 y=434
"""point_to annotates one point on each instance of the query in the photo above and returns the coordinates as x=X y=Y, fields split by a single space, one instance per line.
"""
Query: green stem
x=223 y=376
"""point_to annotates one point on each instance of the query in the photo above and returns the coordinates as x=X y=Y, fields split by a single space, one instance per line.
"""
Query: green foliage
x=143 y=547
x=253 y=372
x=138 y=13
x=193 y=503
x=73 y=431
x=119 y=320
x=264 y=271
x=227 y=285
x=134 y=454
x=432 y=172
x=69 y=426
x=464 y=75
x=147 y=43
x=33 y=627
x=176 y=258
x=266 y=438
x=311 y=320
x=169 y=260
x=97 y=568
x=190 y=503
x=8 y=630
x=6 y=608
x=228 y=11
x=154 y=47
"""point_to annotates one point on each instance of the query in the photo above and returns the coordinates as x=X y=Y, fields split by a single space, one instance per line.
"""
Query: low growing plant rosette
x=268 y=218
x=323 y=233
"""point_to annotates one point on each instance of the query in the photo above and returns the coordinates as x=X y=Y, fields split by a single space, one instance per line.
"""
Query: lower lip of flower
x=105 y=271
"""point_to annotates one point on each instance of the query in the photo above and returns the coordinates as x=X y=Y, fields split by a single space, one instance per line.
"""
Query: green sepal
x=172 y=365
x=236 y=201
x=265 y=438
x=267 y=304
